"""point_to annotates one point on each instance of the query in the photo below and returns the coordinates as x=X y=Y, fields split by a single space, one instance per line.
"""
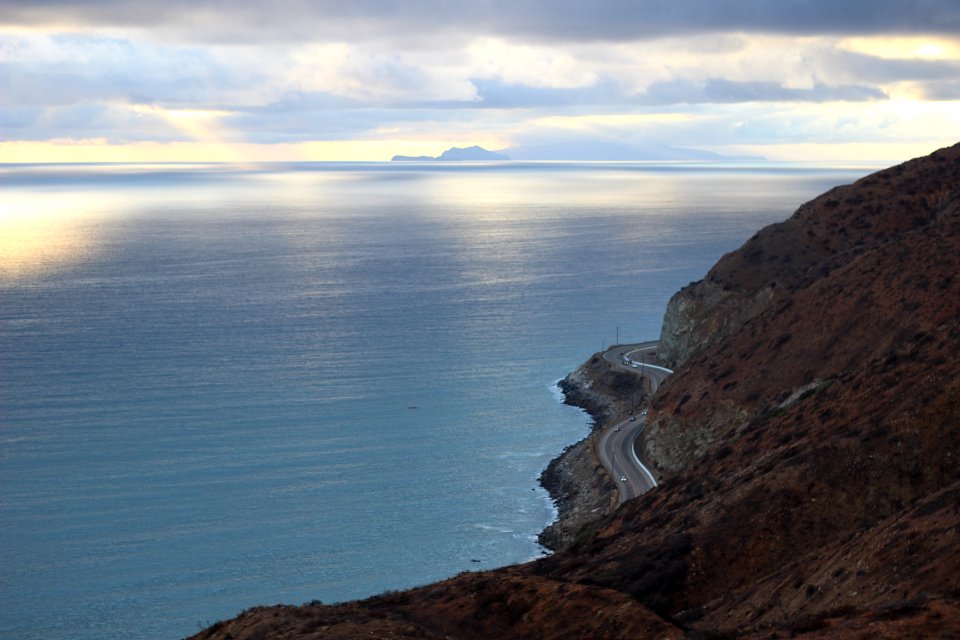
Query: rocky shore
x=576 y=480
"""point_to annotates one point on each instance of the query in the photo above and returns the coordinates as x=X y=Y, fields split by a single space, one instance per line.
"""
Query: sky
x=822 y=81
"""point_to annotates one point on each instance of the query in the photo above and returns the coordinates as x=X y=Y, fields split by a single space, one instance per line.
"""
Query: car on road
x=623 y=478
x=633 y=418
x=644 y=412
x=616 y=428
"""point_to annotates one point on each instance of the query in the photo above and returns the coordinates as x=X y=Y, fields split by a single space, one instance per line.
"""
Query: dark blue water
x=230 y=386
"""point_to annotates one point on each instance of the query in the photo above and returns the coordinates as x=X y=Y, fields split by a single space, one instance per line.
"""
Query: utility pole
x=618 y=335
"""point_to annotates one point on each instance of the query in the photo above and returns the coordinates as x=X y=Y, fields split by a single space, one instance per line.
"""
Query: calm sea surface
x=223 y=386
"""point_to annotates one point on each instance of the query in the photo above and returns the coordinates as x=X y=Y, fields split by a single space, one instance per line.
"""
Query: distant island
x=582 y=151
x=455 y=154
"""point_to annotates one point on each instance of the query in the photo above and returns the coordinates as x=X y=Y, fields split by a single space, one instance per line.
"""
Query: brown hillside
x=832 y=410
x=809 y=446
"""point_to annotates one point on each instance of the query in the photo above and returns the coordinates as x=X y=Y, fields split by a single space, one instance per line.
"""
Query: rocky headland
x=808 y=444
x=576 y=480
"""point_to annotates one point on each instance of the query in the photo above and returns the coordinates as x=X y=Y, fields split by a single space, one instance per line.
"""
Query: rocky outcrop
x=704 y=313
x=580 y=489
x=576 y=480
x=606 y=393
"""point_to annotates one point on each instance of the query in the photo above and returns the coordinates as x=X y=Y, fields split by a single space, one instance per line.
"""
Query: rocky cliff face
x=781 y=259
x=809 y=443
x=704 y=313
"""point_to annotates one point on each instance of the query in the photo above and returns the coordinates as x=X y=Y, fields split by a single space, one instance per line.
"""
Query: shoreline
x=581 y=489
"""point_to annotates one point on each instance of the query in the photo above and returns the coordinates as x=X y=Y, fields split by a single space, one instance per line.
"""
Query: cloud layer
x=545 y=20
x=532 y=74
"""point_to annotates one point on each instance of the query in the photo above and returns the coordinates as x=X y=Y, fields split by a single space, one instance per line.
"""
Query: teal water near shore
x=225 y=386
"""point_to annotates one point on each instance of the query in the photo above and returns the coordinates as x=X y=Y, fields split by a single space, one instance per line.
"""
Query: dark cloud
x=425 y=20
x=719 y=91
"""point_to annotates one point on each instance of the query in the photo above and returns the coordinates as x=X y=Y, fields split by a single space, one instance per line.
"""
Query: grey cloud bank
x=556 y=20
x=720 y=91
x=566 y=79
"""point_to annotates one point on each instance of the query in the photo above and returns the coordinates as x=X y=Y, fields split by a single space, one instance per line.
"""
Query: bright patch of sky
x=645 y=79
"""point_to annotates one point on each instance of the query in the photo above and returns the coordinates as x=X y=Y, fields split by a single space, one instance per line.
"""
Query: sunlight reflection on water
x=42 y=234
x=192 y=354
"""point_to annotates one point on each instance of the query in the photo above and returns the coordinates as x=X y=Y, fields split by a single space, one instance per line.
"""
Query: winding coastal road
x=616 y=445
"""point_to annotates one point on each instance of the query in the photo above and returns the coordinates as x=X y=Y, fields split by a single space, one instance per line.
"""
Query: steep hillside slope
x=808 y=440
x=808 y=444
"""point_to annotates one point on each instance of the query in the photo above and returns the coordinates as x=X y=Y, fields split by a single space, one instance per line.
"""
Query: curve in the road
x=616 y=448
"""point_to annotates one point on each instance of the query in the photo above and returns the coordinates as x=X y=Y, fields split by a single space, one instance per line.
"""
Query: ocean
x=231 y=385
